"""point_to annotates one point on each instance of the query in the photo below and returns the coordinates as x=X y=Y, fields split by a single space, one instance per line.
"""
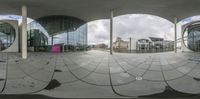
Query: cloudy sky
x=135 y=26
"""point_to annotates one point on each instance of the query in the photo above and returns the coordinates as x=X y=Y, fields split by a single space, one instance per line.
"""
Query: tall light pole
x=111 y=31
x=175 y=35
x=130 y=44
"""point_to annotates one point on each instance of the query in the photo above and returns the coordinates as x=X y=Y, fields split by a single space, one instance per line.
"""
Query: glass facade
x=69 y=32
x=7 y=35
x=193 y=37
x=154 y=44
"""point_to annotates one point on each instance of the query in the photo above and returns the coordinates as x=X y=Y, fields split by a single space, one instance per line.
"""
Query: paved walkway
x=98 y=74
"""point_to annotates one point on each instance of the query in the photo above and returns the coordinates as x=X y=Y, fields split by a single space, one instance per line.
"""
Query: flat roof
x=156 y=38
x=90 y=10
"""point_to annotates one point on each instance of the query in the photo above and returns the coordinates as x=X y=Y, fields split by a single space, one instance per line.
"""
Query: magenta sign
x=55 y=48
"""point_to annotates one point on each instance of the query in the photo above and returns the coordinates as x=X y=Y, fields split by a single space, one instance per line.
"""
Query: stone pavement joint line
x=100 y=75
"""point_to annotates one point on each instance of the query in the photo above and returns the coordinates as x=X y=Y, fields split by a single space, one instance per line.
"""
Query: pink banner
x=55 y=48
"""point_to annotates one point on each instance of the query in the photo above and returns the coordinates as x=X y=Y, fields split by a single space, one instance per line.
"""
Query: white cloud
x=14 y=17
x=135 y=26
x=10 y=17
x=98 y=31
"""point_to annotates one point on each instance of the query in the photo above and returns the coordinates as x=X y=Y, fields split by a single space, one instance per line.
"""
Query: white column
x=111 y=32
x=175 y=35
x=24 y=30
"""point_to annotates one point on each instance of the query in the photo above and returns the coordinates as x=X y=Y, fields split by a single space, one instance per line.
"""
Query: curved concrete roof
x=89 y=10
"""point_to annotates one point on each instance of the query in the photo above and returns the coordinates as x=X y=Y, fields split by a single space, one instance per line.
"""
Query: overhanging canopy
x=89 y=10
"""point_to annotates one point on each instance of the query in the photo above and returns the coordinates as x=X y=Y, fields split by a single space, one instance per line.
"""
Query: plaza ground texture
x=96 y=74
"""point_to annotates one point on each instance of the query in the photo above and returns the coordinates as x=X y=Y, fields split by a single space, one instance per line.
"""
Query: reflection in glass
x=7 y=35
x=37 y=39
x=192 y=37
x=69 y=32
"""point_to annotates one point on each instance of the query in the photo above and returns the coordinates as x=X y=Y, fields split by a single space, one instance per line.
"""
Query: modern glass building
x=154 y=44
x=193 y=38
x=69 y=32
x=7 y=35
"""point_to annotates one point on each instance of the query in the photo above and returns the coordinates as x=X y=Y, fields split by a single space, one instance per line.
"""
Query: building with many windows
x=193 y=38
x=154 y=44
x=190 y=40
x=69 y=32
x=143 y=44
x=151 y=44
x=120 y=45
x=157 y=43
x=86 y=11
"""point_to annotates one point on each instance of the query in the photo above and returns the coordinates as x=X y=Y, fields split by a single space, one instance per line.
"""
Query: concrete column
x=52 y=40
x=111 y=32
x=175 y=35
x=63 y=48
x=24 y=34
x=67 y=41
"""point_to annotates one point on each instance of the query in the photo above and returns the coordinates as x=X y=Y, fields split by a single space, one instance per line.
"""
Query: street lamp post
x=111 y=31
x=175 y=35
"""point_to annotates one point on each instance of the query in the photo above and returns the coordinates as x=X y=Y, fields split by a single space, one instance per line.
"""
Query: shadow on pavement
x=53 y=84
x=171 y=93
x=36 y=96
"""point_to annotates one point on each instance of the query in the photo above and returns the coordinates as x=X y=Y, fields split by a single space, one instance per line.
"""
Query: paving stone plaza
x=98 y=74
x=47 y=50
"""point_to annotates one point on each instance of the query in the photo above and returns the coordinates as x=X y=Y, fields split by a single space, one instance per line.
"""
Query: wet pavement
x=96 y=74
